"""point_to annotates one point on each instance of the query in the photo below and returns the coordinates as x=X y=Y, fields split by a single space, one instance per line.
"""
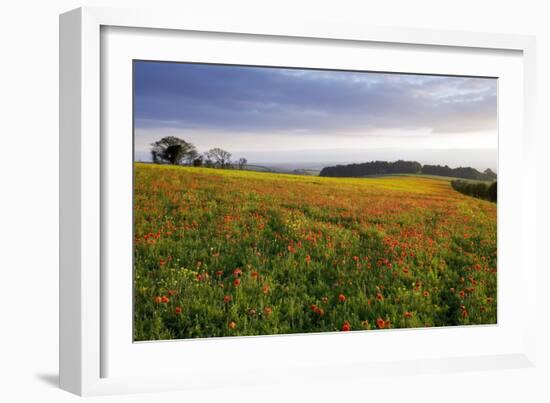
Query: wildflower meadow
x=236 y=253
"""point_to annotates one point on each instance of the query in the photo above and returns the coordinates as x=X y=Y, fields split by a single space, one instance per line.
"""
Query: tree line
x=480 y=190
x=405 y=167
x=372 y=168
x=460 y=172
x=175 y=151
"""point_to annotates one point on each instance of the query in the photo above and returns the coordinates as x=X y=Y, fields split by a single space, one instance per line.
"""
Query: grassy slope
x=403 y=251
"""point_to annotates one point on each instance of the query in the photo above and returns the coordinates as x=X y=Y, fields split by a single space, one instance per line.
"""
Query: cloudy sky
x=315 y=117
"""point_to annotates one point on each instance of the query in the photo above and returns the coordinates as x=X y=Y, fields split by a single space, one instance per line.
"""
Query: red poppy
x=265 y=289
x=232 y=325
x=379 y=297
x=219 y=273
x=158 y=299
x=268 y=310
x=426 y=293
x=408 y=314
x=172 y=292
x=308 y=259
x=227 y=298
x=254 y=274
x=381 y=323
x=237 y=282
x=178 y=310
x=237 y=272
x=346 y=327
x=342 y=298
x=165 y=299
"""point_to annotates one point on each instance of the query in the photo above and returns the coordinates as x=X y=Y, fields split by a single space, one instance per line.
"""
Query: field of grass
x=230 y=253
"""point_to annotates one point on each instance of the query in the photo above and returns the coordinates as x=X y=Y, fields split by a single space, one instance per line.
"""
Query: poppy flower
x=172 y=292
x=265 y=289
x=219 y=273
x=379 y=297
x=178 y=310
x=158 y=299
x=227 y=298
x=425 y=293
x=381 y=323
x=237 y=272
x=342 y=298
x=346 y=327
x=165 y=299
x=408 y=314
x=325 y=300
x=254 y=274
x=232 y=325
x=237 y=282
x=268 y=310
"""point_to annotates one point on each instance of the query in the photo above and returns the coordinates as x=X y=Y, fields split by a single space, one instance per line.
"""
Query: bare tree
x=220 y=158
x=241 y=162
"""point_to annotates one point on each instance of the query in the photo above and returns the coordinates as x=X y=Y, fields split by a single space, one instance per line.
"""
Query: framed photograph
x=285 y=198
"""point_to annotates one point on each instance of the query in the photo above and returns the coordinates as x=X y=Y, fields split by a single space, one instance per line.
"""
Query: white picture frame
x=86 y=318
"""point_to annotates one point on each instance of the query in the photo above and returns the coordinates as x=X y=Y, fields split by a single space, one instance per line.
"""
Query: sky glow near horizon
x=315 y=117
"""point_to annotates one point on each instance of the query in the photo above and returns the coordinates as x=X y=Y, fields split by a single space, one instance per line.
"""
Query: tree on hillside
x=218 y=157
x=241 y=162
x=173 y=150
x=198 y=161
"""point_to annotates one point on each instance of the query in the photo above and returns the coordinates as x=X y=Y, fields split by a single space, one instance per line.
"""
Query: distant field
x=228 y=252
x=436 y=177
x=262 y=168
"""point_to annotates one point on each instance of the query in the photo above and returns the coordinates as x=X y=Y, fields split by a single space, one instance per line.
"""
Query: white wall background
x=29 y=201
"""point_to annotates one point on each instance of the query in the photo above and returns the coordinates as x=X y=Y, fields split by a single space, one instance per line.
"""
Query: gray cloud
x=308 y=102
